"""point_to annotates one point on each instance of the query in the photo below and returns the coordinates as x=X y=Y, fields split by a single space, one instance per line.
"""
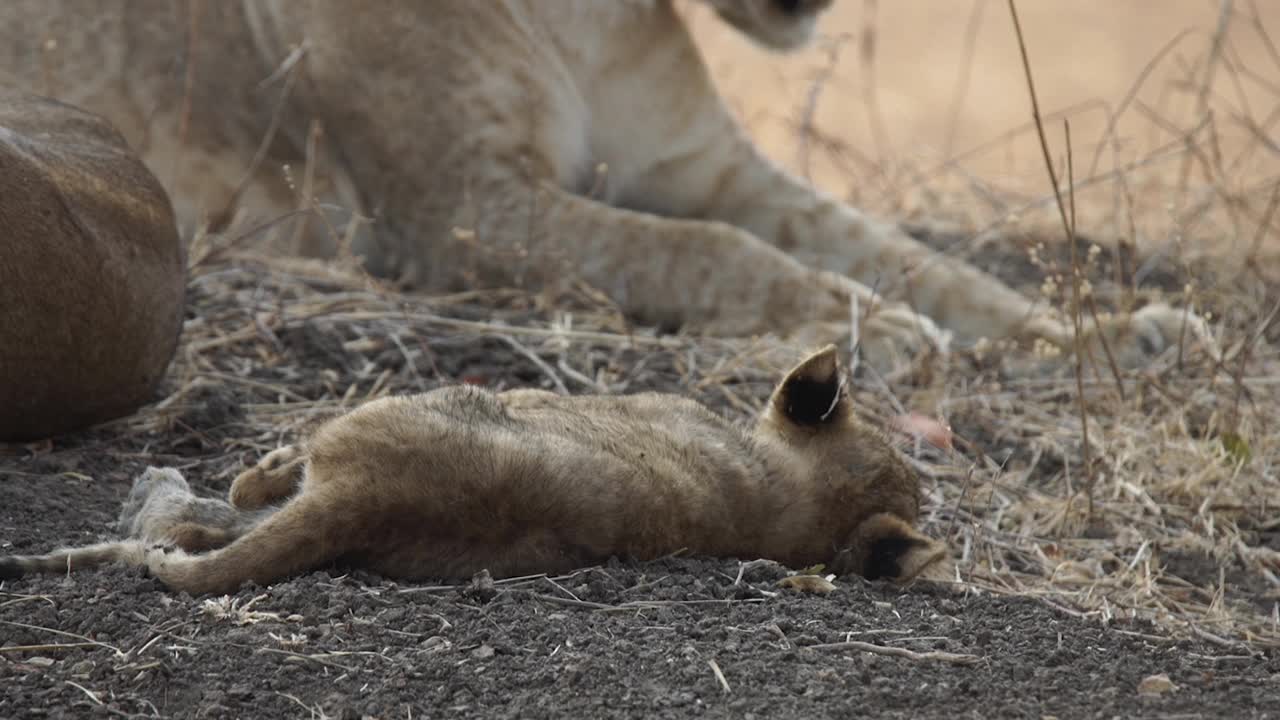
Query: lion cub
x=453 y=481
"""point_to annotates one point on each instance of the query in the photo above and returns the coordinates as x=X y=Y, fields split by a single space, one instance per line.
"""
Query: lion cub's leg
x=312 y=529
x=274 y=478
x=193 y=537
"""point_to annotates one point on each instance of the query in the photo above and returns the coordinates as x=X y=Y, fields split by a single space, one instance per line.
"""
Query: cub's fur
x=519 y=141
x=450 y=482
x=92 y=271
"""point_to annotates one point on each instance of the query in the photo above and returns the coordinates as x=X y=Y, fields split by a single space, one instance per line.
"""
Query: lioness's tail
x=306 y=533
x=67 y=559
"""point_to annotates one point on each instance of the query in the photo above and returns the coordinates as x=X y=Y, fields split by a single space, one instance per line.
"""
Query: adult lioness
x=450 y=482
x=504 y=141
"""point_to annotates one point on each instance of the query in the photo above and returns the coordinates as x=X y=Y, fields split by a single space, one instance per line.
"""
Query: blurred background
x=921 y=107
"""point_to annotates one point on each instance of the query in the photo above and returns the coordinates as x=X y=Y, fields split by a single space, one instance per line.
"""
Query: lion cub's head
x=861 y=485
x=777 y=24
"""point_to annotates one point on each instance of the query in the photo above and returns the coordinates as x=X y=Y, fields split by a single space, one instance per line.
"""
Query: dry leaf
x=922 y=427
x=1156 y=685
x=807 y=583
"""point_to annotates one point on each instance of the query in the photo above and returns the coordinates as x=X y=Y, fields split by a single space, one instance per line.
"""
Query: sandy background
x=942 y=79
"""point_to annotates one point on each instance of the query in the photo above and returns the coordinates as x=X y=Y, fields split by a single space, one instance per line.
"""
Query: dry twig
x=931 y=656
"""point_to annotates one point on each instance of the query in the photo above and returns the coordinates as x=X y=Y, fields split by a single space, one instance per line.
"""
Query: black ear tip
x=824 y=361
x=884 y=556
x=10 y=568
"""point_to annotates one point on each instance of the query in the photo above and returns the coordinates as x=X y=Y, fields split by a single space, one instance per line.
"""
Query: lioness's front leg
x=822 y=232
x=707 y=275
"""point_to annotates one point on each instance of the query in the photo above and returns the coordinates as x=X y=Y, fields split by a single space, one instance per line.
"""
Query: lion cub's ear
x=812 y=393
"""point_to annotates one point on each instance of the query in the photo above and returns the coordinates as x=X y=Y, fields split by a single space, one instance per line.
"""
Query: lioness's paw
x=1136 y=338
x=888 y=337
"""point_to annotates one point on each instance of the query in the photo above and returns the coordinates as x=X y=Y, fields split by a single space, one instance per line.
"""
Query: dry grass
x=1171 y=513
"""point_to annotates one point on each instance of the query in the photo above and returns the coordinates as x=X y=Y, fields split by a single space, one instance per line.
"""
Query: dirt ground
x=622 y=641
x=676 y=637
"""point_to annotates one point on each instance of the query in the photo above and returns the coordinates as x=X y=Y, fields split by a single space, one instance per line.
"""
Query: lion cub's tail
x=67 y=559
x=304 y=534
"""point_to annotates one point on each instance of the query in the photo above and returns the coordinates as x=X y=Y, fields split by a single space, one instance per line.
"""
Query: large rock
x=92 y=271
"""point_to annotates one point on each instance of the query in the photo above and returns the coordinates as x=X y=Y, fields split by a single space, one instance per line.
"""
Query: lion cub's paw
x=271 y=480
x=158 y=559
x=1136 y=338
